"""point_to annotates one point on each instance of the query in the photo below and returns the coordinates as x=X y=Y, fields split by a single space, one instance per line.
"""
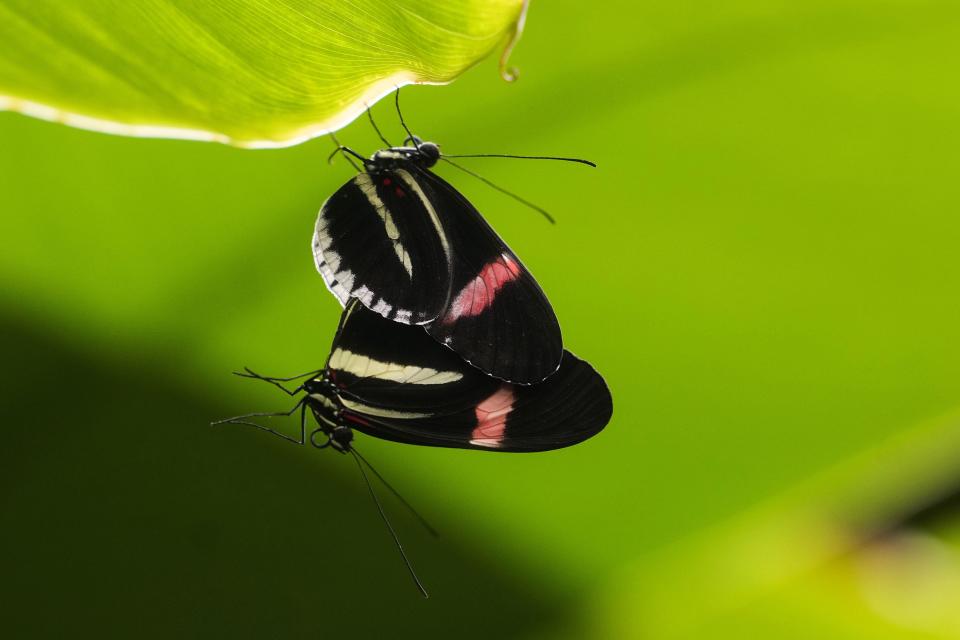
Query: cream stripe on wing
x=365 y=182
x=359 y=407
x=404 y=175
x=365 y=367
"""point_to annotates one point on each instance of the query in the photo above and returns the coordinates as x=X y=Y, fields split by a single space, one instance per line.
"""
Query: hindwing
x=384 y=365
x=397 y=384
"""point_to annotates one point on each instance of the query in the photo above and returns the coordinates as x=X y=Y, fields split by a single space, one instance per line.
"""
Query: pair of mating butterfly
x=445 y=339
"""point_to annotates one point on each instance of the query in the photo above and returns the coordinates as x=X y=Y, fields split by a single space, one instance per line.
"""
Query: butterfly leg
x=313 y=441
x=345 y=150
x=302 y=405
x=249 y=373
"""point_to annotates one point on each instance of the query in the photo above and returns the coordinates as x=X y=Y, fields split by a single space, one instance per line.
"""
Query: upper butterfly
x=410 y=247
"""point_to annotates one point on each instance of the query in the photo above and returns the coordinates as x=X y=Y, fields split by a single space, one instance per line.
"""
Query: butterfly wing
x=388 y=368
x=398 y=384
x=379 y=239
x=571 y=406
x=497 y=317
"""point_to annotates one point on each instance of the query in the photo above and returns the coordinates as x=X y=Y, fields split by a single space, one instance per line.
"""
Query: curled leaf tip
x=508 y=73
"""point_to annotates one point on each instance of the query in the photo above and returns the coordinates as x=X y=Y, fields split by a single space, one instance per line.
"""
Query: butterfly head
x=429 y=152
x=419 y=153
x=341 y=437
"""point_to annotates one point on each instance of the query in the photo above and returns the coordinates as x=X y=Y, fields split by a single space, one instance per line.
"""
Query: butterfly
x=413 y=249
x=392 y=381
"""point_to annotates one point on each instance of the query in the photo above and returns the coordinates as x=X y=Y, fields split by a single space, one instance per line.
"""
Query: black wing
x=397 y=384
x=397 y=370
x=379 y=239
x=571 y=406
x=497 y=317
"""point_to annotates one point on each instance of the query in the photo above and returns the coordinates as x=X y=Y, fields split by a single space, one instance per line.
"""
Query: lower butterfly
x=393 y=381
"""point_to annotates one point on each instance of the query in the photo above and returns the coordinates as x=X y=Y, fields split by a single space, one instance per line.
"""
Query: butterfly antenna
x=505 y=155
x=540 y=210
x=393 y=533
x=410 y=136
x=376 y=128
x=423 y=521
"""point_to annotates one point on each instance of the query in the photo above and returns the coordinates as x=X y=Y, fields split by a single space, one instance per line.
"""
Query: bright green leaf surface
x=764 y=267
x=249 y=72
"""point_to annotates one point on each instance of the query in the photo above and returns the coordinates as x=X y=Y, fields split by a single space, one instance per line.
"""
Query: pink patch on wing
x=480 y=292
x=492 y=418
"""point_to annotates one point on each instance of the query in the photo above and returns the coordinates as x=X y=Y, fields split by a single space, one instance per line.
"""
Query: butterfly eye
x=430 y=152
x=342 y=437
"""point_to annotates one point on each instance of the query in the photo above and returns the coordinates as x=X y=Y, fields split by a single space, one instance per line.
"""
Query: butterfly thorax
x=327 y=409
x=424 y=155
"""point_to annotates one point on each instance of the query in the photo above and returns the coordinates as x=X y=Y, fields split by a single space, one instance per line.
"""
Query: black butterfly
x=413 y=249
x=393 y=382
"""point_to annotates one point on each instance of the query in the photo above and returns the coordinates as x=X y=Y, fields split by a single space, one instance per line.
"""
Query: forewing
x=497 y=317
x=567 y=408
x=385 y=368
x=379 y=239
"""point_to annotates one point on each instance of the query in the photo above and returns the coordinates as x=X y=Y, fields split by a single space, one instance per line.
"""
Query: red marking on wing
x=352 y=417
x=386 y=182
x=333 y=379
x=492 y=417
x=400 y=193
x=479 y=293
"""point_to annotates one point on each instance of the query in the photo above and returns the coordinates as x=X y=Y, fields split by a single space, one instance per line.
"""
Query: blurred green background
x=764 y=267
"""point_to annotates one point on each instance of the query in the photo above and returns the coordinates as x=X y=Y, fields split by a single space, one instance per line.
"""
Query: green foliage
x=763 y=267
x=267 y=73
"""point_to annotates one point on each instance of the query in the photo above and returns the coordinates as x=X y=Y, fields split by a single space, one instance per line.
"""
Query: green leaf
x=254 y=74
